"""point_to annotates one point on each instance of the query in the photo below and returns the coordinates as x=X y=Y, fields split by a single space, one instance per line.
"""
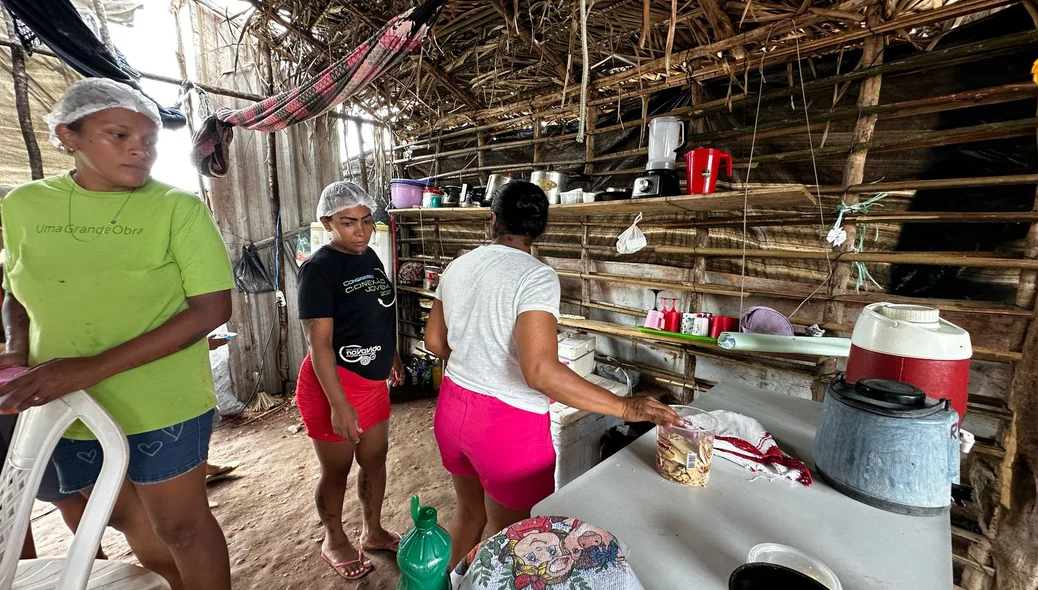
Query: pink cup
x=654 y=320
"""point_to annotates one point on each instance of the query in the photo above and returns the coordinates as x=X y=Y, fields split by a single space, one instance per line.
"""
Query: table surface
x=683 y=537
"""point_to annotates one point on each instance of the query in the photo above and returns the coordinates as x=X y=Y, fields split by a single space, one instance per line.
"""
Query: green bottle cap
x=424 y=516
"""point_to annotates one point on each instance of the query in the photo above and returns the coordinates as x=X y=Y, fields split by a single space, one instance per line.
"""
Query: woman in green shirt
x=113 y=281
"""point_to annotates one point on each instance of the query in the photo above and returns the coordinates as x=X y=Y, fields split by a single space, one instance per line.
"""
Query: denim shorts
x=50 y=490
x=155 y=457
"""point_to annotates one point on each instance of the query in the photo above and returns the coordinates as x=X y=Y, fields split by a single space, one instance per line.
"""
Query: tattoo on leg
x=364 y=491
x=322 y=513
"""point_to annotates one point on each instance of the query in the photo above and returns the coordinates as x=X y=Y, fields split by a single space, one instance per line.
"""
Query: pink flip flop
x=394 y=546
x=340 y=568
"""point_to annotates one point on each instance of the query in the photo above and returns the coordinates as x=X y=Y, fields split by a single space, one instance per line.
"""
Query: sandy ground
x=266 y=508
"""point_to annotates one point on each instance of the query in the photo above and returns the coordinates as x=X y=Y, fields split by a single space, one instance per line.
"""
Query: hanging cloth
x=58 y=25
x=337 y=83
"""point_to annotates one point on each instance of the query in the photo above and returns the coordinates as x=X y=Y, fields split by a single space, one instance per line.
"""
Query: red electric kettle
x=703 y=165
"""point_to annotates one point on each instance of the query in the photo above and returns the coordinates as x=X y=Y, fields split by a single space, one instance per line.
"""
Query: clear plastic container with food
x=683 y=453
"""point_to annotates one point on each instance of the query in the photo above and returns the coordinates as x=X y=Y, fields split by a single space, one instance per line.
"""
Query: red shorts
x=508 y=449
x=369 y=398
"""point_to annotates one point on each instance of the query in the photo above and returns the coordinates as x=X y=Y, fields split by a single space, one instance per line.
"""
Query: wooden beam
x=511 y=20
x=22 y=105
x=721 y=25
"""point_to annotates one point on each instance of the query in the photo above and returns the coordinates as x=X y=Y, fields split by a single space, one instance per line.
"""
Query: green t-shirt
x=89 y=285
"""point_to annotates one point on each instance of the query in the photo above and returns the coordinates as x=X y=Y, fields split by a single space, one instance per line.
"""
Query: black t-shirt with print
x=356 y=293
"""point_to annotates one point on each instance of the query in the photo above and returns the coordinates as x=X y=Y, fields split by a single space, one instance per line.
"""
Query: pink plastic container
x=406 y=194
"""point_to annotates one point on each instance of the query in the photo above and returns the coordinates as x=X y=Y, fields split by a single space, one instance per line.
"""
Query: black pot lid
x=886 y=397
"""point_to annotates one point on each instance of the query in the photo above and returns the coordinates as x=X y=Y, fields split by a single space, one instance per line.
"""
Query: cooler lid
x=885 y=397
x=917 y=314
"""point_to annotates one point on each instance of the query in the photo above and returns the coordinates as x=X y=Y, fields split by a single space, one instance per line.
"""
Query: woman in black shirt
x=347 y=306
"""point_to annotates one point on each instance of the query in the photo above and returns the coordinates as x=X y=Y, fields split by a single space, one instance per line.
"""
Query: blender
x=661 y=179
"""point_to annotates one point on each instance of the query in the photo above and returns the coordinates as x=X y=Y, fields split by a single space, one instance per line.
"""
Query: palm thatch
x=492 y=61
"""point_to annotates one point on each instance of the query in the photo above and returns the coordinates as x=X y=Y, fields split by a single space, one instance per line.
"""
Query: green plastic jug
x=425 y=552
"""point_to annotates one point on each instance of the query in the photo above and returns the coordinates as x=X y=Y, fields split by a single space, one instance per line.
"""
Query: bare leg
x=501 y=517
x=72 y=513
x=28 y=546
x=179 y=510
x=371 y=484
x=335 y=458
x=129 y=518
x=470 y=518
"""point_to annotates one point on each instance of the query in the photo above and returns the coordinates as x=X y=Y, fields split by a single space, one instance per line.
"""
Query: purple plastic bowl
x=406 y=194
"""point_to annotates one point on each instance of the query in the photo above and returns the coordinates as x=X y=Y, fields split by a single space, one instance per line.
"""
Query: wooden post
x=1012 y=551
x=589 y=141
x=188 y=103
x=481 y=159
x=538 y=151
x=21 y=102
x=274 y=195
x=697 y=274
x=362 y=159
x=102 y=24
x=853 y=173
x=1013 y=554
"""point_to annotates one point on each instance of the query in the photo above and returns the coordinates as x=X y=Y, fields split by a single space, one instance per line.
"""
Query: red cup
x=723 y=323
x=702 y=167
x=672 y=321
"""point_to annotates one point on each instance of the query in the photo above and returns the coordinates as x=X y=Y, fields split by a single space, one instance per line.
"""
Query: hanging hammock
x=337 y=83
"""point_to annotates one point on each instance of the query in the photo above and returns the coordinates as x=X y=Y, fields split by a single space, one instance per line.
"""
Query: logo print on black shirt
x=358 y=354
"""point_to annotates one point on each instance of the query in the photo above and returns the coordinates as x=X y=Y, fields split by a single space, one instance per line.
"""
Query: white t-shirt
x=482 y=293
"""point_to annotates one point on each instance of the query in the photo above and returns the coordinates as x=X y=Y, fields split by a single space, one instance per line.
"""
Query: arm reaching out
x=535 y=335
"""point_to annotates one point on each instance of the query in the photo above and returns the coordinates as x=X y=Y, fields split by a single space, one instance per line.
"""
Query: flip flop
x=223 y=472
x=340 y=568
x=393 y=547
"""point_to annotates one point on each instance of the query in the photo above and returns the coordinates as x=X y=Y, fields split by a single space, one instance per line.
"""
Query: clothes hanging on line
x=58 y=25
x=338 y=82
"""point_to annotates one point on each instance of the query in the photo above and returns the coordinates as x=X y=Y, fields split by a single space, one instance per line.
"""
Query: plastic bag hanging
x=250 y=276
x=632 y=239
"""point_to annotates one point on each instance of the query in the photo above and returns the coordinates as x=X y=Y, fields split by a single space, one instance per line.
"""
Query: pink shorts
x=508 y=449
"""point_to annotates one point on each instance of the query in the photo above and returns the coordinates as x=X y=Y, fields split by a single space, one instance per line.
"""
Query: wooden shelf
x=785 y=196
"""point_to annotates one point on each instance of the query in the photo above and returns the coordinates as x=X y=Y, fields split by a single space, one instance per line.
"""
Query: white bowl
x=796 y=560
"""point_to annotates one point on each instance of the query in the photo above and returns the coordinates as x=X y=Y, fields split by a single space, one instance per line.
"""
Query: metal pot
x=494 y=182
x=552 y=183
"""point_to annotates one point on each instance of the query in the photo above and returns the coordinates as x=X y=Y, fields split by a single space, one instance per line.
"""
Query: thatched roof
x=492 y=60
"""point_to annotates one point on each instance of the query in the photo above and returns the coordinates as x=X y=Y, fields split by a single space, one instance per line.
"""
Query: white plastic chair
x=35 y=437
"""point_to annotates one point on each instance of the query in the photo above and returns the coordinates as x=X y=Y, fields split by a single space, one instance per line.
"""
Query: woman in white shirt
x=495 y=323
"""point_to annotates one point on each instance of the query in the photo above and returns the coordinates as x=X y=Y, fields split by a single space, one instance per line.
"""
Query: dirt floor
x=266 y=507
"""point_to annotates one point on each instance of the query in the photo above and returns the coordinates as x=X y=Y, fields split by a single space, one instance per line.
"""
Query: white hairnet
x=94 y=95
x=343 y=195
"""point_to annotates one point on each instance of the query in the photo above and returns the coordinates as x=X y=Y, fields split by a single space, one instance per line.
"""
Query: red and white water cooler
x=912 y=344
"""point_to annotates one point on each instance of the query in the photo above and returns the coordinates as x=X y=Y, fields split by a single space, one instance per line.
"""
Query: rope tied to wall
x=838 y=235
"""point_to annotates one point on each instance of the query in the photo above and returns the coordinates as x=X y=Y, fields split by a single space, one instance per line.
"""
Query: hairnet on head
x=93 y=95
x=343 y=195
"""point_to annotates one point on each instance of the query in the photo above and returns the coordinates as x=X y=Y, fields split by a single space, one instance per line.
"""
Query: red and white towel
x=743 y=441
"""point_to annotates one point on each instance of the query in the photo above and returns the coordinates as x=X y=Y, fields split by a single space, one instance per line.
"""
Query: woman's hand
x=396 y=374
x=49 y=381
x=648 y=409
x=345 y=423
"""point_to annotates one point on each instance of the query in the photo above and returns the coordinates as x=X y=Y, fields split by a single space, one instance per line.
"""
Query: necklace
x=110 y=222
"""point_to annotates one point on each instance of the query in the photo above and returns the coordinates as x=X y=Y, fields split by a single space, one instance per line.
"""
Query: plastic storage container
x=424 y=552
x=912 y=344
x=784 y=556
x=405 y=193
x=578 y=353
